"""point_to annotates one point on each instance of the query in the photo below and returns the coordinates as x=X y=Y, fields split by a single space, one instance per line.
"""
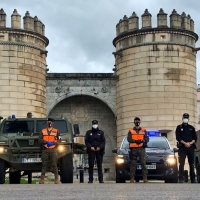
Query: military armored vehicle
x=20 y=152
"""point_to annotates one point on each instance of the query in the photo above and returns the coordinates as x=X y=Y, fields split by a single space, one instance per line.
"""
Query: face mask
x=185 y=120
x=137 y=123
x=49 y=124
x=95 y=126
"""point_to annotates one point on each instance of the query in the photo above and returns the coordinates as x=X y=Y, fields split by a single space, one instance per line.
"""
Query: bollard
x=81 y=176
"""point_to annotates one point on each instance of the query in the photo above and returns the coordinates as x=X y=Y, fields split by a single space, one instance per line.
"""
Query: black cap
x=50 y=119
x=137 y=118
x=186 y=115
x=94 y=122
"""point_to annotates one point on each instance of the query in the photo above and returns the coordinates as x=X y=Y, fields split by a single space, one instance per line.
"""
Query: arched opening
x=82 y=109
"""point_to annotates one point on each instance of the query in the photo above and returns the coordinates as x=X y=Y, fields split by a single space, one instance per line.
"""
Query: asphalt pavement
x=97 y=191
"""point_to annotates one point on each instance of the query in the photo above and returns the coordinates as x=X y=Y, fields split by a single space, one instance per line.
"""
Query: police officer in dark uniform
x=95 y=143
x=186 y=137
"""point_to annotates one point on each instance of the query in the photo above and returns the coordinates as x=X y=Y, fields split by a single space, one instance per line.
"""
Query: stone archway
x=82 y=110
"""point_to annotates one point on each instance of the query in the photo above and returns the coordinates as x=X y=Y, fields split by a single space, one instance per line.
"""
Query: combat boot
x=192 y=179
x=145 y=179
x=181 y=180
x=42 y=179
x=132 y=179
x=56 y=181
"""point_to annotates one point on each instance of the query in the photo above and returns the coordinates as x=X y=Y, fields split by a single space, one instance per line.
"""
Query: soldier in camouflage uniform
x=138 y=139
x=49 y=139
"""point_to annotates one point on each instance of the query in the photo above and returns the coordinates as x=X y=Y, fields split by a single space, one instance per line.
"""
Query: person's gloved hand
x=49 y=144
x=138 y=141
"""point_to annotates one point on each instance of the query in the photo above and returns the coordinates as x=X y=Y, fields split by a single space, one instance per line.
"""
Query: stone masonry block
x=165 y=117
x=9 y=101
x=149 y=118
x=164 y=82
x=165 y=106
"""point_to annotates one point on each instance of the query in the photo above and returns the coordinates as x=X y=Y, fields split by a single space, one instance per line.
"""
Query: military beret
x=50 y=119
x=137 y=118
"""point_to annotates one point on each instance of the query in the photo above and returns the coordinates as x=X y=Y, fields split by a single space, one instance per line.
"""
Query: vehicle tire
x=14 y=177
x=66 y=169
x=120 y=180
x=2 y=172
x=167 y=180
x=186 y=176
x=137 y=180
x=198 y=173
x=174 y=180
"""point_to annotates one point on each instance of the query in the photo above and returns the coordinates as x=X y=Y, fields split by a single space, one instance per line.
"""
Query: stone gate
x=82 y=98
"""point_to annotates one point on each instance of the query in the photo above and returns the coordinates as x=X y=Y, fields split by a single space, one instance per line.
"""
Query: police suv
x=161 y=161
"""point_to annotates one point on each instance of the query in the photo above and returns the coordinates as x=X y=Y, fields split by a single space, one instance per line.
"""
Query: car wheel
x=167 y=180
x=2 y=172
x=198 y=173
x=14 y=177
x=137 y=180
x=120 y=180
x=174 y=180
x=66 y=169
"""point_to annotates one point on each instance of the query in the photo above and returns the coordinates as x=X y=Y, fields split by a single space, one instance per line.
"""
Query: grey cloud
x=81 y=31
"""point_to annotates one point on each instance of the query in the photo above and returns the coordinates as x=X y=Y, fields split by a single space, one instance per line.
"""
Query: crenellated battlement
x=29 y=23
x=177 y=21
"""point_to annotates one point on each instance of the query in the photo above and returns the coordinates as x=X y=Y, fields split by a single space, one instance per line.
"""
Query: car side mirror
x=76 y=130
x=175 y=150
x=114 y=150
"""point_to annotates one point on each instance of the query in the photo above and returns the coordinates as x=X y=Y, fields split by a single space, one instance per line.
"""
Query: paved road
x=96 y=191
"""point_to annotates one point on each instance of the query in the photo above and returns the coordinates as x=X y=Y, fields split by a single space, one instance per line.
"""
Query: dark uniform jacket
x=95 y=138
x=186 y=133
x=130 y=140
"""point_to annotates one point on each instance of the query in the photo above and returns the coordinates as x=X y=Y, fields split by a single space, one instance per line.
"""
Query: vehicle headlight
x=1 y=149
x=171 y=160
x=61 y=148
x=120 y=160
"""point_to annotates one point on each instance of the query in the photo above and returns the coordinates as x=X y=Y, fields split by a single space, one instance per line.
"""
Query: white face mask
x=95 y=126
x=185 y=120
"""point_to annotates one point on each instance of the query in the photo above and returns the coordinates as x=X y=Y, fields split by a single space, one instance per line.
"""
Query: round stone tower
x=22 y=66
x=156 y=72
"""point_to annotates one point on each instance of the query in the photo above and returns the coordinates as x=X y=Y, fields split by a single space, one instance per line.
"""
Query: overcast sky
x=81 y=31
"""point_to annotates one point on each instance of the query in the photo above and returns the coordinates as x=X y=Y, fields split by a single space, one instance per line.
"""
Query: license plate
x=147 y=166
x=31 y=160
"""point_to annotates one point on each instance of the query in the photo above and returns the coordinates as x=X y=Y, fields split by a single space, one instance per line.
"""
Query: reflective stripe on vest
x=52 y=137
x=137 y=136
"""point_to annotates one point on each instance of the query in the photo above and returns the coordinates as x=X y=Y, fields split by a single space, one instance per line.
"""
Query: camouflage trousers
x=49 y=159
x=134 y=154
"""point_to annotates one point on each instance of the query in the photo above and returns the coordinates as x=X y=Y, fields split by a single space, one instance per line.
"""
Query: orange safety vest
x=52 y=137
x=137 y=136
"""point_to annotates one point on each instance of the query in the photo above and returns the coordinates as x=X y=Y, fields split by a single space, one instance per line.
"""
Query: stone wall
x=156 y=73
x=82 y=98
x=22 y=66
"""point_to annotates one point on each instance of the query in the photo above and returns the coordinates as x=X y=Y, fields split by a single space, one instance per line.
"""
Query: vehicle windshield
x=154 y=142
x=17 y=126
x=61 y=125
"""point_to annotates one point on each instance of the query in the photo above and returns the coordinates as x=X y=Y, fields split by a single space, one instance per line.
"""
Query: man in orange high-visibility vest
x=138 y=139
x=49 y=139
